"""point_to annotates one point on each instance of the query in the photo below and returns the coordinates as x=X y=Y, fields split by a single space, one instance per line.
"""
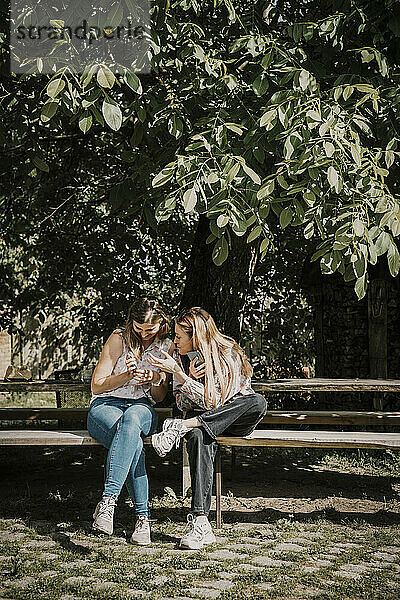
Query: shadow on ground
x=64 y=485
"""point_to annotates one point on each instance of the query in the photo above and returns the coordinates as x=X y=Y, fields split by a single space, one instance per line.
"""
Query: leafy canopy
x=268 y=111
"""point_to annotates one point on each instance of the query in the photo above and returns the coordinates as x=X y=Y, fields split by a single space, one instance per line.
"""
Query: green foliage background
x=277 y=120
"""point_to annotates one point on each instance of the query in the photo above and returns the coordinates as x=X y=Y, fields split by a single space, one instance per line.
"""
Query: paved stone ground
x=286 y=560
x=293 y=532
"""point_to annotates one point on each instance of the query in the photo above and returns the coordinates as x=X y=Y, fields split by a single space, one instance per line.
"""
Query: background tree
x=258 y=117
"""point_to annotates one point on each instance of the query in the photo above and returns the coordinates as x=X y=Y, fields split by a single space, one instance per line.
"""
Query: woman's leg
x=137 y=481
x=102 y=423
x=201 y=449
x=239 y=416
x=127 y=448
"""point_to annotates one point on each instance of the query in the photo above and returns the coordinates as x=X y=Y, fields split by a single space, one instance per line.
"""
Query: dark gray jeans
x=238 y=417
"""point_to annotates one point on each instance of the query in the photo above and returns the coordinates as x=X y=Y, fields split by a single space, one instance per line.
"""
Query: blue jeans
x=118 y=425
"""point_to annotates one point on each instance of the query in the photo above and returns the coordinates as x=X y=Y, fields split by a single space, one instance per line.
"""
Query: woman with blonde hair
x=125 y=388
x=212 y=382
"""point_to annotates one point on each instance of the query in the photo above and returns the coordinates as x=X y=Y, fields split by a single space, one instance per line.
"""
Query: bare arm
x=102 y=380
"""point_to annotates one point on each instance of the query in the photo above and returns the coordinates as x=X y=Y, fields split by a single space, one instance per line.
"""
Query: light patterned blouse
x=130 y=390
x=190 y=395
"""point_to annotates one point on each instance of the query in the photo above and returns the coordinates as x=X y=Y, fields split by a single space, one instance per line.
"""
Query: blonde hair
x=145 y=309
x=220 y=352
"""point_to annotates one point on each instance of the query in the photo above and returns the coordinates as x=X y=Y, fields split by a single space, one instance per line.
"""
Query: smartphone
x=195 y=354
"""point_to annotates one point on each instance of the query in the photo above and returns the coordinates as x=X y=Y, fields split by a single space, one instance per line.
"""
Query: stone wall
x=343 y=334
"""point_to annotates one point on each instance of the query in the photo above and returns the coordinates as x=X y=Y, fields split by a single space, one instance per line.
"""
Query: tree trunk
x=222 y=291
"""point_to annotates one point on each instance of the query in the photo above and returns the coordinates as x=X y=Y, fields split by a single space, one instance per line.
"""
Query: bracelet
x=161 y=380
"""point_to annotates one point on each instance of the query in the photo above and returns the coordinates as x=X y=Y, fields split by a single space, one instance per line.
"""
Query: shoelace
x=106 y=509
x=194 y=529
x=172 y=437
x=141 y=523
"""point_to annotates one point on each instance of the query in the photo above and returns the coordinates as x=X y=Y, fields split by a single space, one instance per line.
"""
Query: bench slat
x=273 y=417
x=21 y=437
x=339 y=417
x=31 y=414
x=315 y=439
x=322 y=384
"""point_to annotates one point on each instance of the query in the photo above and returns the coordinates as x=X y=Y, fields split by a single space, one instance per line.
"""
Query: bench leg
x=218 y=488
x=233 y=461
x=186 y=480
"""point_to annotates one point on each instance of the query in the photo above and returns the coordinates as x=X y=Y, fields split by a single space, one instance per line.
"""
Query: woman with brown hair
x=125 y=387
x=212 y=382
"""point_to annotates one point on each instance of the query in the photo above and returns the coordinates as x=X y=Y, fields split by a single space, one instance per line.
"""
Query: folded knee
x=131 y=422
x=194 y=436
x=259 y=404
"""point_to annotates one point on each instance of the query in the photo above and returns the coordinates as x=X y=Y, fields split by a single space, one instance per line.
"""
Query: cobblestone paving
x=285 y=560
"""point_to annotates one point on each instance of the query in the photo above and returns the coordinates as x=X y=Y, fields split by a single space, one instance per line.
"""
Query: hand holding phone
x=195 y=354
x=197 y=366
x=131 y=364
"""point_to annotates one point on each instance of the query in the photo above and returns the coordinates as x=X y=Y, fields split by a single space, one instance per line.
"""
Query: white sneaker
x=199 y=535
x=170 y=436
x=141 y=535
x=104 y=515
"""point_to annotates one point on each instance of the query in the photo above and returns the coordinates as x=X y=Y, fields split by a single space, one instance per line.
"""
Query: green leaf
x=175 y=126
x=212 y=177
x=261 y=84
x=266 y=189
x=222 y=220
x=85 y=122
x=333 y=178
x=288 y=148
x=40 y=164
x=189 y=200
x=55 y=87
x=382 y=244
x=48 y=111
x=355 y=153
x=133 y=82
x=105 y=78
x=358 y=227
x=264 y=245
x=309 y=230
x=162 y=177
x=255 y=233
x=112 y=115
x=252 y=174
x=304 y=79
x=348 y=90
x=220 y=252
x=329 y=149
x=393 y=258
x=267 y=117
x=361 y=286
x=373 y=257
x=233 y=127
x=233 y=171
x=285 y=217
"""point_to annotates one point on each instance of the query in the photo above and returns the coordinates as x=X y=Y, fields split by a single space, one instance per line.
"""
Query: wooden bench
x=282 y=437
x=62 y=437
x=306 y=438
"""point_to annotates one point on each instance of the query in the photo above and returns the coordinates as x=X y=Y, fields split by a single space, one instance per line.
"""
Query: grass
x=129 y=569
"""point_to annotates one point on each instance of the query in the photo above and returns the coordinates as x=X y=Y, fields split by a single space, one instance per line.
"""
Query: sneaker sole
x=97 y=528
x=135 y=543
x=186 y=546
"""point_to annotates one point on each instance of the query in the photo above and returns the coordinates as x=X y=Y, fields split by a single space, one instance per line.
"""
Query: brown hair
x=145 y=309
x=220 y=352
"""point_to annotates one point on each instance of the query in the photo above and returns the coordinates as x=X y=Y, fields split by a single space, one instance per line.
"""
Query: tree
x=253 y=114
